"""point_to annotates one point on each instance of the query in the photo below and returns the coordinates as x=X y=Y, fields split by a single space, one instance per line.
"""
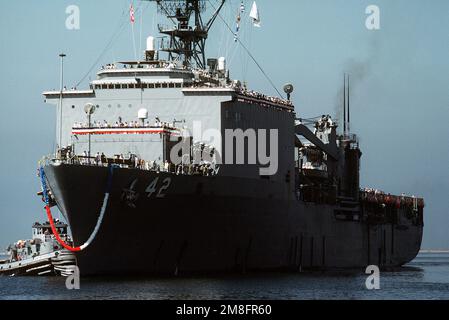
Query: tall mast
x=344 y=104
x=187 y=41
x=349 y=117
x=62 y=56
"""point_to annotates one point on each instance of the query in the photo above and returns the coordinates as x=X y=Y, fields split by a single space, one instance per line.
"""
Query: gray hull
x=215 y=224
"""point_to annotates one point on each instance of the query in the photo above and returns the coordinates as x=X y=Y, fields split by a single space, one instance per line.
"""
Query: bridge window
x=138 y=86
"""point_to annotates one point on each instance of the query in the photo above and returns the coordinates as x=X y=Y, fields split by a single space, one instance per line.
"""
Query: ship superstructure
x=291 y=200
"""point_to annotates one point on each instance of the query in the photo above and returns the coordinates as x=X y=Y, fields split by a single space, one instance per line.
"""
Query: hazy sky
x=400 y=92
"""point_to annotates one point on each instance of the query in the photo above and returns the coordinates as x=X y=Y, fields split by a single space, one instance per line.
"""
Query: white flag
x=254 y=14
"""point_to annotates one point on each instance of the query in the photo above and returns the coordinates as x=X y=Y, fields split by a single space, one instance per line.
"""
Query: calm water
x=427 y=277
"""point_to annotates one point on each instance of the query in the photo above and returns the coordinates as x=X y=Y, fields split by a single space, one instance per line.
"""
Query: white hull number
x=153 y=189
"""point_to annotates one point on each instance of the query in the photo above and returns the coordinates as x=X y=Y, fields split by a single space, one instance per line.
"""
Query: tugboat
x=40 y=256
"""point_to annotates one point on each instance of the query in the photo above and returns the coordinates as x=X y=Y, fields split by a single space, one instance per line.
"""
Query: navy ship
x=169 y=166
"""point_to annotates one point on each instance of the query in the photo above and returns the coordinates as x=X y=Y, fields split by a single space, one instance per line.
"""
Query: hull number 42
x=156 y=190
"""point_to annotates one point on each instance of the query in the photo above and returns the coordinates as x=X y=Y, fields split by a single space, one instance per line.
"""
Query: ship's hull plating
x=214 y=224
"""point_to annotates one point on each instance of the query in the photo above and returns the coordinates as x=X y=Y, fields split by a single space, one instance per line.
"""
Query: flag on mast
x=254 y=14
x=237 y=27
x=242 y=7
x=131 y=14
x=239 y=19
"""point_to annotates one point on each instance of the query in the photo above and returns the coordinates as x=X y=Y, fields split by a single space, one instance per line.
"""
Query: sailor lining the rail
x=98 y=159
x=85 y=161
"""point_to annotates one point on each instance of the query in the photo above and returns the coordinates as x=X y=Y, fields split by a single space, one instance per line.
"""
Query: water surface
x=426 y=277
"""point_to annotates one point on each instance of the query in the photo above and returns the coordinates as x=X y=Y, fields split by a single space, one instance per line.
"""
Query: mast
x=349 y=119
x=62 y=56
x=344 y=104
x=187 y=42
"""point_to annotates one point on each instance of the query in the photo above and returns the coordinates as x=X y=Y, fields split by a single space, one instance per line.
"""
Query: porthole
x=73 y=107
x=98 y=106
x=110 y=106
x=130 y=106
x=119 y=106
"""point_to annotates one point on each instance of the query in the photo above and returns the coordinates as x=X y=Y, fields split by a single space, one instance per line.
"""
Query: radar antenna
x=186 y=42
